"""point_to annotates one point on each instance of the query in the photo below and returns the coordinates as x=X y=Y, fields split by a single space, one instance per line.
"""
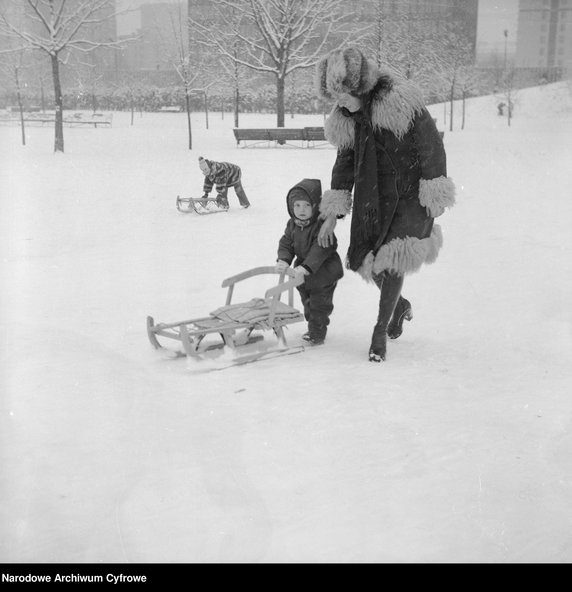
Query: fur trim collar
x=394 y=107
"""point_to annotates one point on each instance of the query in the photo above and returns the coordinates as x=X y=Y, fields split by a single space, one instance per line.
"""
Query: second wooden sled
x=239 y=326
x=198 y=205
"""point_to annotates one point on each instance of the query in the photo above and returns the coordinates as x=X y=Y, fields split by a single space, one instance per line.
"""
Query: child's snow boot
x=316 y=334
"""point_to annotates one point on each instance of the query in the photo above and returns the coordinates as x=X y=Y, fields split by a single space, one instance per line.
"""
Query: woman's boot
x=390 y=289
x=401 y=313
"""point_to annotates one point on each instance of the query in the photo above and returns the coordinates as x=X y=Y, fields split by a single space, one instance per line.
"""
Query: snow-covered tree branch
x=277 y=37
x=56 y=28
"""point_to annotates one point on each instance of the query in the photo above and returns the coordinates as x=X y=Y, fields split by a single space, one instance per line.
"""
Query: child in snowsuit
x=223 y=175
x=320 y=266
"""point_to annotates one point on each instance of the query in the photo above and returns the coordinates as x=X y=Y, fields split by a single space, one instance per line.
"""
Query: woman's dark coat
x=411 y=187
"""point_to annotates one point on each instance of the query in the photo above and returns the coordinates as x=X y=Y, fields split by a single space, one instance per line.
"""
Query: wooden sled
x=199 y=205
x=237 y=326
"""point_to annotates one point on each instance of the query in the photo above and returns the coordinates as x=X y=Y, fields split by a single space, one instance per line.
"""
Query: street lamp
x=505 y=46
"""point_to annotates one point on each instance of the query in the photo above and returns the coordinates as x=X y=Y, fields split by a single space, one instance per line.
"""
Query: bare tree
x=57 y=27
x=469 y=81
x=456 y=56
x=234 y=75
x=508 y=94
x=277 y=37
x=396 y=33
x=190 y=66
x=11 y=71
x=181 y=59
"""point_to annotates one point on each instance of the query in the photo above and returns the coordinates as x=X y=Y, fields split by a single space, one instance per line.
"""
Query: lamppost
x=505 y=47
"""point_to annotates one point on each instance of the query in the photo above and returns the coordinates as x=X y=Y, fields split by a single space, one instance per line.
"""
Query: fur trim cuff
x=436 y=195
x=403 y=255
x=335 y=202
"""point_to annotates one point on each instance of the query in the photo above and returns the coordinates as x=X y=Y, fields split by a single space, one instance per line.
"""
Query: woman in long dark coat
x=392 y=156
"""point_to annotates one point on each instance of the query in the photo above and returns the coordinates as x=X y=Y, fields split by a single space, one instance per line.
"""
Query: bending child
x=223 y=175
x=320 y=266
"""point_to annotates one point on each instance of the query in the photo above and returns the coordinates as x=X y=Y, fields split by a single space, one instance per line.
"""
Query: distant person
x=392 y=156
x=223 y=175
x=320 y=266
x=500 y=108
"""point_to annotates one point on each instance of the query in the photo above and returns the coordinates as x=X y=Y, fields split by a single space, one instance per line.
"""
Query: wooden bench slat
x=280 y=134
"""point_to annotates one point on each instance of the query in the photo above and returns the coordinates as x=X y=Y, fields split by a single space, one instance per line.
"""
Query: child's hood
x=313 y=189
x=213 y=166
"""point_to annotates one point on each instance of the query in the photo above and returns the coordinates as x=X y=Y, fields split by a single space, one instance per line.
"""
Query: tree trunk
x=279 y=101
x=188 y=108
x=20 y=107
x=236 y=104
x=206 y=111
x=451 y=101
x=464 y=107
x=42 y=97
x=59 y=100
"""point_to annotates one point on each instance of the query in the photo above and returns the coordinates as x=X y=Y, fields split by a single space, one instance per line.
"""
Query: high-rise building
x=544 y=34
x=425 y=17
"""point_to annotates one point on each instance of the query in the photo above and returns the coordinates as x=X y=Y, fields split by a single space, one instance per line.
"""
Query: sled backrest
x=273 y=295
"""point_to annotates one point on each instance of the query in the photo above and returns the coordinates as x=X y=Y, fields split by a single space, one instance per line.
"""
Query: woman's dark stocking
x=390 y=288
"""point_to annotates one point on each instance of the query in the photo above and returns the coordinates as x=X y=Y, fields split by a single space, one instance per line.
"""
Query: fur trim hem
x=335 y=202
x=436 y=195
x=403 y=255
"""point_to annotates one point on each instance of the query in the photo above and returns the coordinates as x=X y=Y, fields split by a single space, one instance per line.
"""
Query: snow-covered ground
x=456 y=449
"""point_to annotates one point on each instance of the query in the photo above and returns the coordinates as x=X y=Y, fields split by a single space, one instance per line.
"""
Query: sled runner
x=238 y=326
x=199 y=205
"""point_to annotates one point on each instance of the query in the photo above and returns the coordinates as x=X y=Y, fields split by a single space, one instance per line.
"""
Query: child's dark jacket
x=300 y=244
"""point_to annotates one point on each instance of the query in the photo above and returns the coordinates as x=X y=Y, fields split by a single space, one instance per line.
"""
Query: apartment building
x=544 y=34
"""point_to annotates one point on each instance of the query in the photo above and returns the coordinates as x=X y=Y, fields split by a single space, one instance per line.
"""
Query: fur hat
x=345 y=71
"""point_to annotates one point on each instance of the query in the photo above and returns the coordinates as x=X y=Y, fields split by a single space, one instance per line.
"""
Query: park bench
x=69 y=120
x=94 y=119
x=278 y=136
